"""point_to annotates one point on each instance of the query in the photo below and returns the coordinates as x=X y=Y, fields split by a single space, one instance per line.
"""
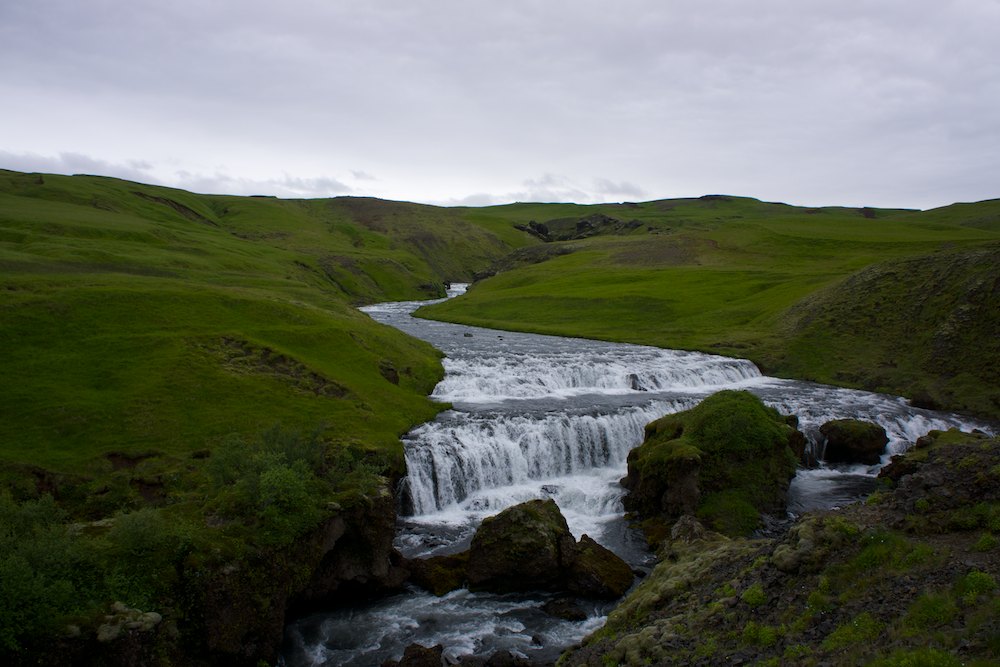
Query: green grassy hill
x=746 y=278
x=139 y=318
x=189 y=377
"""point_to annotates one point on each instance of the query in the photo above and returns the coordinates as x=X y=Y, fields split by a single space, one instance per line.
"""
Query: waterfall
x=462 y=454
x=548 y=417
x=562 y=374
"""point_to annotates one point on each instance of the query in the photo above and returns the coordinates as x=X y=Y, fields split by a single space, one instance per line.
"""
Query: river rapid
x=550 y=417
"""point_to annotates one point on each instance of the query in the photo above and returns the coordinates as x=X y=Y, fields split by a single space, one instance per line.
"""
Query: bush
x=930 y=610
x=275 y=483
x=45 y=572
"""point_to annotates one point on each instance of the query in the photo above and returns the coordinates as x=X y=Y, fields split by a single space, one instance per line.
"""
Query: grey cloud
x=286 y=186
x=76 y=163
x=894 y=102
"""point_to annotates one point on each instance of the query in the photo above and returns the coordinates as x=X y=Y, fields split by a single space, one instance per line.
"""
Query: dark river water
x=549 y=417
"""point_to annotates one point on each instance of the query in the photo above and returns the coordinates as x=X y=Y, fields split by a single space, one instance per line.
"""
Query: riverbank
x=908 y=577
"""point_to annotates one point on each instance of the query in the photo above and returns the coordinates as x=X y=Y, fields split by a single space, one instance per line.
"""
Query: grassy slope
x=736 y=276
x=125 y=308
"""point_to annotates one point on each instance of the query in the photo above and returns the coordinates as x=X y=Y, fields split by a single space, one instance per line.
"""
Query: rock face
x=853 y=441
x=725 y=461
x=243 y=606
x=528 y=547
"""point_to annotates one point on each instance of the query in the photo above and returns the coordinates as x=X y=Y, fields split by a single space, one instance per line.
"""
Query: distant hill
x=893 y=300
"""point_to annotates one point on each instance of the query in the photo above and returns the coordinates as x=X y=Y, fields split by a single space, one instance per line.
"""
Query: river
x=550 y=417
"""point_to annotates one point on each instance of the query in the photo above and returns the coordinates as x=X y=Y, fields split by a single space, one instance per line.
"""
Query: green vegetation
x=154 y=339
x=902 y=301
x=726 y=460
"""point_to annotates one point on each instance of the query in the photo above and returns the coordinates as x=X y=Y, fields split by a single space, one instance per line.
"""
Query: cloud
x=550 y=187
x=144 y=171
x=890 y=103
x=76 y=163
x=292 y=187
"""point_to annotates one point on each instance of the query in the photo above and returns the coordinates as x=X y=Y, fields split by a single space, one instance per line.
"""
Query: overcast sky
x=813 y=102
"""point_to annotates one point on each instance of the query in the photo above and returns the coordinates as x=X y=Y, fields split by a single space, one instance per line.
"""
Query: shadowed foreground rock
x=853 y=441
x=528 y=547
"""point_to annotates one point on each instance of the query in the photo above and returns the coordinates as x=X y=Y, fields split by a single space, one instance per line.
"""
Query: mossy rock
x=522 y=548
x=440 y=574
x=853 y=441
x=598 y=572
x=528 y=547
x=726 y=460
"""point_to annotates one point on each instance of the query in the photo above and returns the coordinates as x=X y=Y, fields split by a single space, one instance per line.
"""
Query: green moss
x=756 y=634
x=754 y=595
x=735 y=446
x=929 y=611
x=918 y=657
x=729 y=513
x=986 y=542
x=974 y=584
x=858 y=631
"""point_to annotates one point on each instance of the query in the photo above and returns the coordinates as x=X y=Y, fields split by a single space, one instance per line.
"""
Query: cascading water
x=542 y=416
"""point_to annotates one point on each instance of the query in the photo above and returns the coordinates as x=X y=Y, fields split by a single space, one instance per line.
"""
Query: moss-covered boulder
x=523 y=548
x=597 y=572
x=439 y=574
x=853 y=441
x=527 y=547
x=726 y=460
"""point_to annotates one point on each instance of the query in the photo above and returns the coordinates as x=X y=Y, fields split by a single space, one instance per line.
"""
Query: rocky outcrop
x=528 y=547
x=908 y=577
x=853 y=441
x=242 y=606
x=726 y=460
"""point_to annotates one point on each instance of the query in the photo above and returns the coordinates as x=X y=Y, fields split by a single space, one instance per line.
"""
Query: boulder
x=565 y=608
x=853 y=441
x=439 y=574
x=597 y=572
x=524 y=548
x=527 y=547
x=725 y=461
x=416 y=655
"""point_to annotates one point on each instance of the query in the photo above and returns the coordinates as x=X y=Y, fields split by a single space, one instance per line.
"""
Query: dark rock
x=687 y=529
x=416 y=655
x=507 y=659
x=388 y=371
x=853 y=441
x=597 y=572
x=565 y=608
x=521 y=549
x=439 y=574
x=528 y=547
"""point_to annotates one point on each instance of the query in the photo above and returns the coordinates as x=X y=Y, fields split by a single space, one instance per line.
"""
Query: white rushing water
x=543 y=416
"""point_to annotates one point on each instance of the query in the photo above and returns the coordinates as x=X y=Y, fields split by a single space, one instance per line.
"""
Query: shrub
x=929 y=611
x=278 y=482
x=862 y=628
x=921 y=657
x=754 y=596
x=45 y=571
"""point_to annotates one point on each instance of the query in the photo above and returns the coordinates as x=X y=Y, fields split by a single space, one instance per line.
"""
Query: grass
x=153 y=336
x=903 y=301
